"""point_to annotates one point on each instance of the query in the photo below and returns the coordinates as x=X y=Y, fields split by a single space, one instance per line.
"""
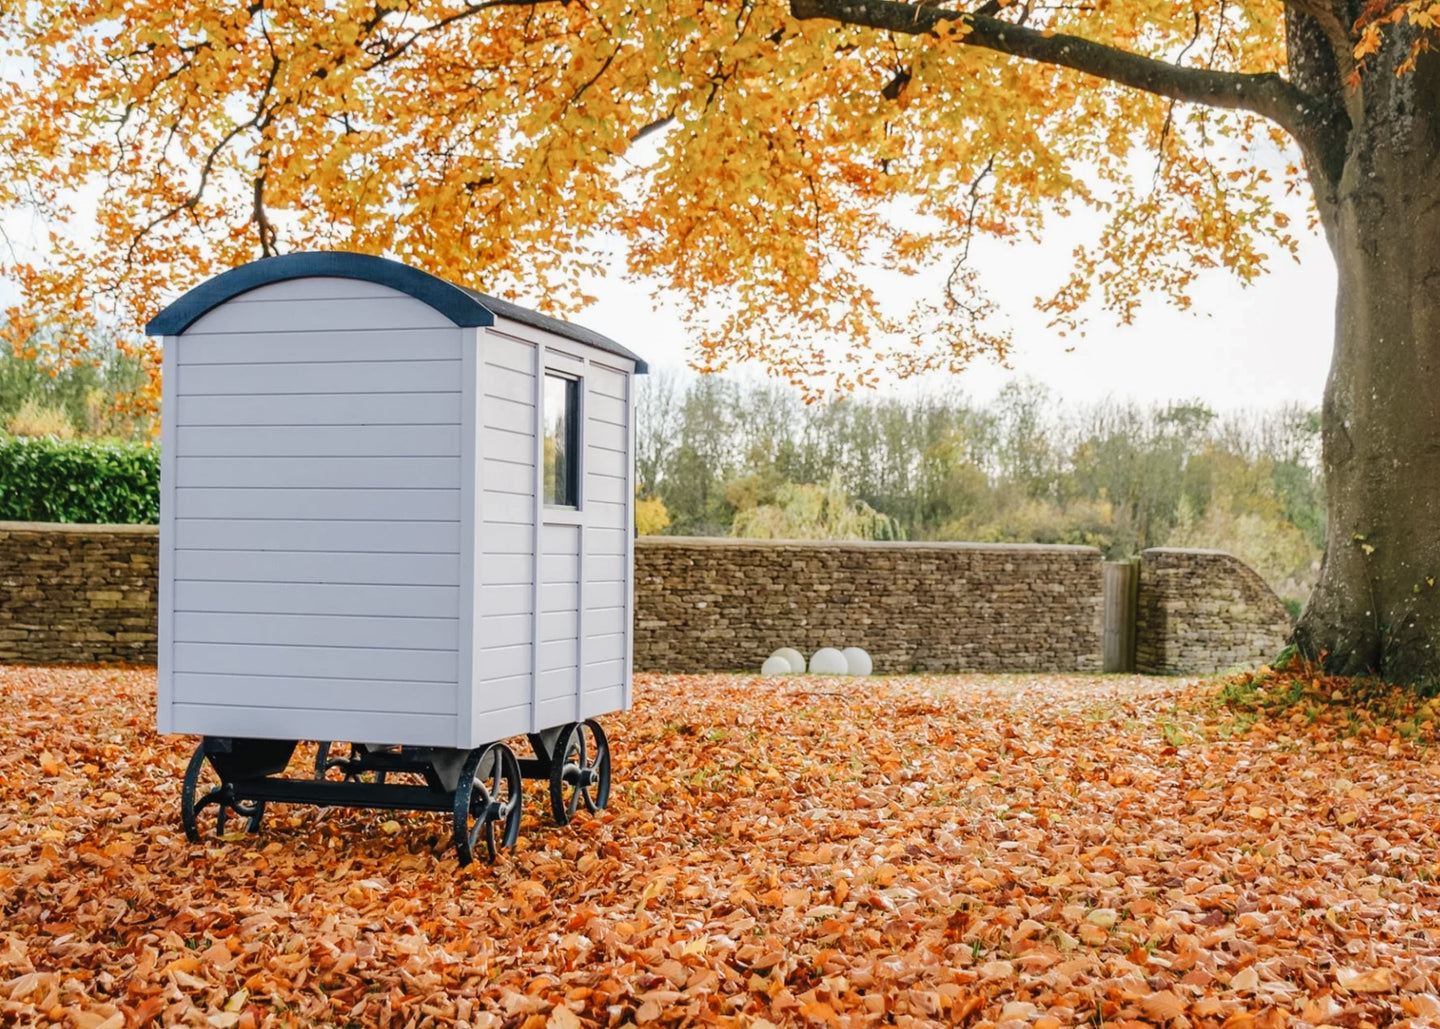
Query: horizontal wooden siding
x=505 y=594
x=316 y=500
x=606 y=590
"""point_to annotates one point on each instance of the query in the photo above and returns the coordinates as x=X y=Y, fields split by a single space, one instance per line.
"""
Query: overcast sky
x=1236 y=348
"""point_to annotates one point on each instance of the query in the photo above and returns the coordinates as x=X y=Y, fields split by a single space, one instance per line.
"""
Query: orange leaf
x=1376 y=980
x=1163 y=1006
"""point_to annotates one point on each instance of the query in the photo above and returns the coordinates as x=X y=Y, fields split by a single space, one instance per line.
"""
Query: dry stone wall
x=723 y=604
x=83 y=594
x=77 y=593
x=1201 y=611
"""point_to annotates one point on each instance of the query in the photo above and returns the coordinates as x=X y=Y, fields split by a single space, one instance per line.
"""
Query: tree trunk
x=1376 y=608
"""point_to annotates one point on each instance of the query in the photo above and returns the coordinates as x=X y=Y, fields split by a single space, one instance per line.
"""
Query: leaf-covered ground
x=1011 y=851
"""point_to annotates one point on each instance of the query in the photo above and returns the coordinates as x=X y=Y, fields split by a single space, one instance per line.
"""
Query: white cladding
x=354 y=545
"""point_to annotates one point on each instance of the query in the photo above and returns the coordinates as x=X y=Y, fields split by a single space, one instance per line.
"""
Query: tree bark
x=1376 y=608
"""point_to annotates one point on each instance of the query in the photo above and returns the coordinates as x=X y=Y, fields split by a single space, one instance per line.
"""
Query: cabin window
x=562 y=441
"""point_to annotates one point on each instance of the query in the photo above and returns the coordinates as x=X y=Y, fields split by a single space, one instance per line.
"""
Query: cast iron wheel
x=220 y=794
x=579 y=770
x=595 y=776
x=487 y=795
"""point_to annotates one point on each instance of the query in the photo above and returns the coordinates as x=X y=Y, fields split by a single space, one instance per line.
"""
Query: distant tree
x=702 y=458
x=1136 y=461
x=737 y=457
x=657 y=427
x=1024 y=454
x=814 y=511
x=96 y=390
x=651 y=517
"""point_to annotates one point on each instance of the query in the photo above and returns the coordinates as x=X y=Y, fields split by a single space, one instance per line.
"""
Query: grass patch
x=1294 y=692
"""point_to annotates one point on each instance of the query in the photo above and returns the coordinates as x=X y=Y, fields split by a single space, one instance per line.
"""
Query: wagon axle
x=481 y=788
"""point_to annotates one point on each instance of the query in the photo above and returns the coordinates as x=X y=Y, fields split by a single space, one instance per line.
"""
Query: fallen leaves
x=1163 y=1006
x=1000 y=874
x=1374 y=980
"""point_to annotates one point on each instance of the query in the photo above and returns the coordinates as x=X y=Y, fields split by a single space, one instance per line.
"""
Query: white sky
x=1255 y=347
x=1237 y=347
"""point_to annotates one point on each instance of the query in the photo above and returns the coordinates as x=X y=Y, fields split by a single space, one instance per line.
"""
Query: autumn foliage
x=1004 y=851
x=786 y=177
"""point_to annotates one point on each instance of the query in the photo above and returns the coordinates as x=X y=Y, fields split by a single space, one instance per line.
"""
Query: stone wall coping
x=76 y=527
x=770 y=544
x=694 y=541
x=1190 y=550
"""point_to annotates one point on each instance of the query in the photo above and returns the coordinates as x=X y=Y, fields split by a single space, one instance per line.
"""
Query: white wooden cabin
x=361 y=536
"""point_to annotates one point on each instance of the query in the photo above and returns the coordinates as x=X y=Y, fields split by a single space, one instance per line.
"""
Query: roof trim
x=465 y=307
x=451 y=301
x=536 y=320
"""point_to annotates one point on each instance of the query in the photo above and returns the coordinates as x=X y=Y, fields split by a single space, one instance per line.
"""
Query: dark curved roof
x=464 y=307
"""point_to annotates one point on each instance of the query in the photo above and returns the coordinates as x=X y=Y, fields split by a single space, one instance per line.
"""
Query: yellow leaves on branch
x=781 y=177
x=1379 y=18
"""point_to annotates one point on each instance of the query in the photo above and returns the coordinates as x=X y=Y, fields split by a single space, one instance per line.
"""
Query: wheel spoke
x=495 y=784
x=514 y=802
x=479 y=805
x=490 y=844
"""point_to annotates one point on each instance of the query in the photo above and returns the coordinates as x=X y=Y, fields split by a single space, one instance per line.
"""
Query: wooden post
x=1117 y=641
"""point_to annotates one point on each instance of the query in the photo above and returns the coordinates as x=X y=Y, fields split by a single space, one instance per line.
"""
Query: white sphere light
x=858 y=661
x=776 y=665
x=796 y=659
x=828 y=661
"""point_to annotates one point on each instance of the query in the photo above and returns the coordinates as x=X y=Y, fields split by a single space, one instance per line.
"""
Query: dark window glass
x=562 y=441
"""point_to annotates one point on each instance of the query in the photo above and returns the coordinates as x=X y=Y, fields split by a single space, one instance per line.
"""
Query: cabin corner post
x=468 y=731
x=165 y=627
x=627 y=688
x=537 y=579
x=582 y=535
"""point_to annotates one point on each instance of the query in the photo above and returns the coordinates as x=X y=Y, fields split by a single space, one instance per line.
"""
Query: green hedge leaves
x=79 y=481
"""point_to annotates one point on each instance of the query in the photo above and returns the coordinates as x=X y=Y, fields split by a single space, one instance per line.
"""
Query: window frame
x=575 y=443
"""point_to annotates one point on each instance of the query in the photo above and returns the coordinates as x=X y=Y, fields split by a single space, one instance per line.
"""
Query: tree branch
x=651 y=127
x=1304 y=116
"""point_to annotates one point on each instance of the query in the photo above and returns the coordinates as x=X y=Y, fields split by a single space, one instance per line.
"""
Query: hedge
x=79 y=481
